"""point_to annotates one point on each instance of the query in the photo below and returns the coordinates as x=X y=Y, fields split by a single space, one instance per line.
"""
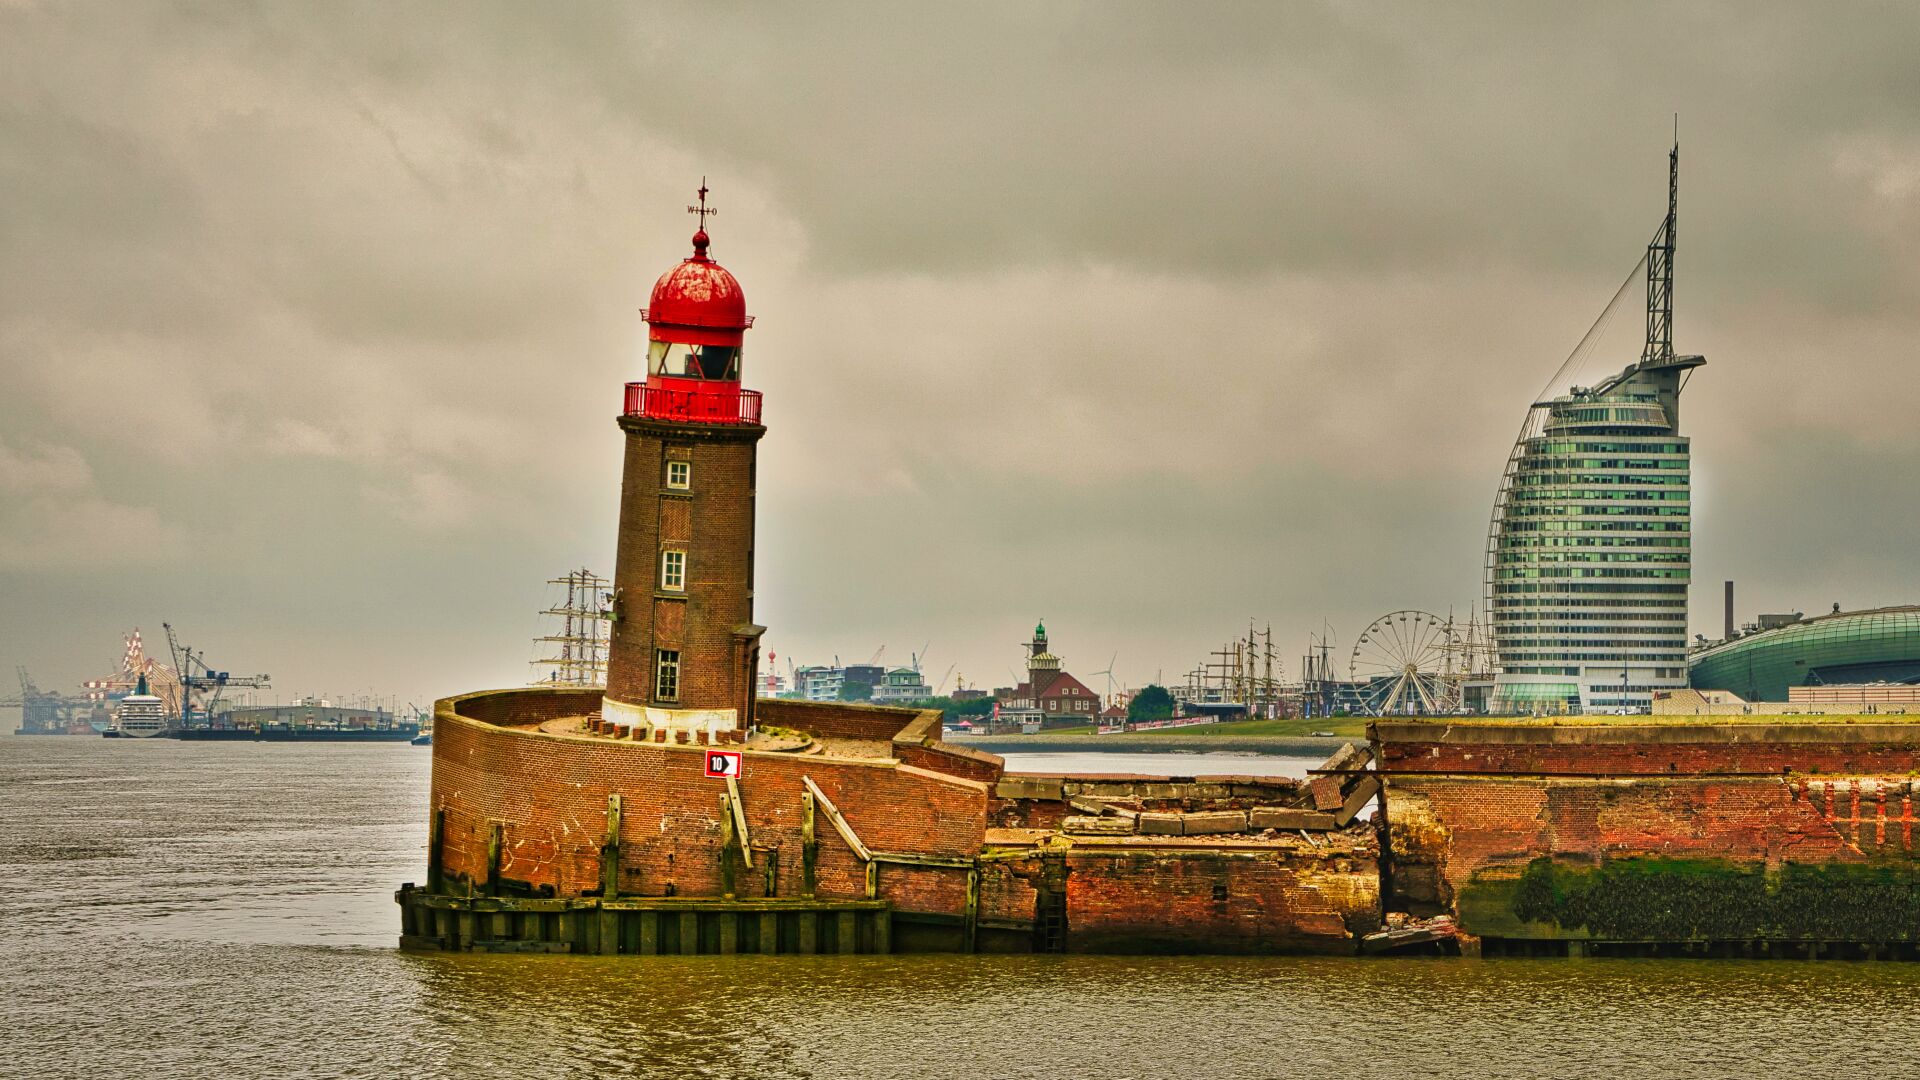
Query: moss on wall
x=1699 y=900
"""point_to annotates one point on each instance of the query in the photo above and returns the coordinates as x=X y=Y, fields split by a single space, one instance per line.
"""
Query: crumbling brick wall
x=829 y=719
x=1219 y=902
x=1487 y=747
x=549 y=795
x=1474 y=806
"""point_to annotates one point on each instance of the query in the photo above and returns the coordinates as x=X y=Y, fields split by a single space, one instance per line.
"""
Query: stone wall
x=1695 y=832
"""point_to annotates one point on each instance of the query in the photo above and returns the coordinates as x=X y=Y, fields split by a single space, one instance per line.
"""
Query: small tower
x=684 y=647
x=1042 y=666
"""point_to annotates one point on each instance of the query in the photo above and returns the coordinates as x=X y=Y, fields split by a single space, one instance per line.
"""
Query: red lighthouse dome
x=698 y=302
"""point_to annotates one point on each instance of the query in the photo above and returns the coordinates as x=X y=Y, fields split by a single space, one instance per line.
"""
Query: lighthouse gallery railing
x=723 y=404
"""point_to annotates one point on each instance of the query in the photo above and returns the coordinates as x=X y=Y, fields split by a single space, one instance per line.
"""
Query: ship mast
x=579 y=650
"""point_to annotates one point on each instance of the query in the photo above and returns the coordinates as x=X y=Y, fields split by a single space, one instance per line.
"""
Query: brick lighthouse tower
x=684 y=647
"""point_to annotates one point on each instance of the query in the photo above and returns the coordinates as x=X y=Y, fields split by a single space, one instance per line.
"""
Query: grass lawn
x=1351 y=727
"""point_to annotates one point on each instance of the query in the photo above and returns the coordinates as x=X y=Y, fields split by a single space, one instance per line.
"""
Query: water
x=191 y=910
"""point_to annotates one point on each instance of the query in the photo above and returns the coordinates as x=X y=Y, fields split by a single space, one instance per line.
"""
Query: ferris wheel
x=1408 y=663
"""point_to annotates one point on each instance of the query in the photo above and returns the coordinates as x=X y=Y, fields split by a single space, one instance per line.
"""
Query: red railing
x=693 y=402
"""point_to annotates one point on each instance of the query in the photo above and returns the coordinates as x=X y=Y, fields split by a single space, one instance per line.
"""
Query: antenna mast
x=1660 y=267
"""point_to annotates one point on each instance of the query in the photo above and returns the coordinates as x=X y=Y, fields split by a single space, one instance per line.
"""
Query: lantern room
x=696 y=321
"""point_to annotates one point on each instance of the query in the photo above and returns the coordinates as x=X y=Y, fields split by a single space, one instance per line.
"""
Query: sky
x=1147 y=320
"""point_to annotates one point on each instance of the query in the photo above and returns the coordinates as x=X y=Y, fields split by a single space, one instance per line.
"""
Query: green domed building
x=1878 y=645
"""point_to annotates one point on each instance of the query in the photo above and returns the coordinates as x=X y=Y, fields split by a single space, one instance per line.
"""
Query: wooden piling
x=972 y=931
x=726 y=846
x=873 y=879
x=739 y=810
x=610 y=851
x=493 y=859
x=436 y=852
x=839 y=822
x=608 y=922
x=809 y=849
x=645 y=925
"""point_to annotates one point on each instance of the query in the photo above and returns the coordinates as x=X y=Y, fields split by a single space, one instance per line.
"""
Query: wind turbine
x=1109 y=674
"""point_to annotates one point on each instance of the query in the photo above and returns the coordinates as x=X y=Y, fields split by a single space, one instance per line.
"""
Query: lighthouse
x=684 y=648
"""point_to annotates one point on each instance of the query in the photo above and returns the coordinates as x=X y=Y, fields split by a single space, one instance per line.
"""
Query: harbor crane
x=207 y=683
x=45 y=712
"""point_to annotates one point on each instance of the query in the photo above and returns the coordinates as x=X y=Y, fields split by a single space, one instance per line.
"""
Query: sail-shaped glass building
x=1590 y=547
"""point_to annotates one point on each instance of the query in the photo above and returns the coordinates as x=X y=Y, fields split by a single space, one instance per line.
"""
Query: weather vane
x=703 y=209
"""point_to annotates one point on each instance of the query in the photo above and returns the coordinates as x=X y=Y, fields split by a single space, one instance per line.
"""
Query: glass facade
x=1882 y=645
x=1590 y=549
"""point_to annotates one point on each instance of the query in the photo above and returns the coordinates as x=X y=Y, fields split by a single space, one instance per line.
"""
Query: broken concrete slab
x=1213 y=821
x=1347 y=759
x=1357 y=800
x=1097 y=826
x=1286 y=817
x=1012 y=787
x=1088 y=806
x=1161 y=824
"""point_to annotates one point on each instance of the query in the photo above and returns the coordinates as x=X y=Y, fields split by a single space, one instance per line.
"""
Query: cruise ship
x=139 y=715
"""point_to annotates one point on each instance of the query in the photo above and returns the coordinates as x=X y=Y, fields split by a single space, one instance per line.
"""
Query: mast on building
x=1660 y=271
x=577 y=654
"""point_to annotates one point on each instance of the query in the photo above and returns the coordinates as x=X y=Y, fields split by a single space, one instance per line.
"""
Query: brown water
x=189 y=910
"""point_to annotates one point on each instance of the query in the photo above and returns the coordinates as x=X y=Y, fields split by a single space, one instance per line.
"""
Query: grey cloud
x=1148 y=319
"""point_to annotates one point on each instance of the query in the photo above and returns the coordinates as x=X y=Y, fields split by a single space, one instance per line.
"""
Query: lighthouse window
x=693 y=361
x=720 y=361
x=673 y=570
x=666 y=675
x=679 y=474
x=667 y=358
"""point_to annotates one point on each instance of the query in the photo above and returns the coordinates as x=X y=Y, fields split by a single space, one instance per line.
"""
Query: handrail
x=723 y=404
